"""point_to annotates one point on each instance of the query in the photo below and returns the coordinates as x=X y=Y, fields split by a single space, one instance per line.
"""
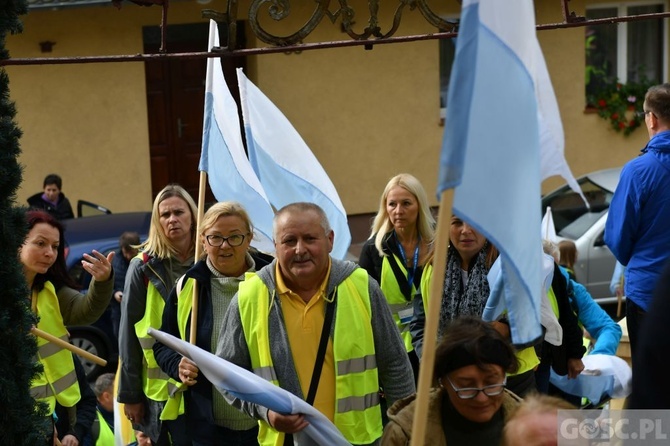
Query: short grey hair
x=301 y=207
x=104 y=383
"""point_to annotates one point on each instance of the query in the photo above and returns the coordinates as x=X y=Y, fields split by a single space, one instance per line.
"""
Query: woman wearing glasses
x=226 y=234
x=165 y=256
x=471 y=404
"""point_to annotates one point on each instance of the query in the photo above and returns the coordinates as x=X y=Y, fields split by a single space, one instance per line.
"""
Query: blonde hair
x=157 y=244
x=535 y=404
x=224 y=209
x=550 y=248
x=425 y=223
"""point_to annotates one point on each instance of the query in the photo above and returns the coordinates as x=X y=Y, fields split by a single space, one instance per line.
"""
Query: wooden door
x=175 y=103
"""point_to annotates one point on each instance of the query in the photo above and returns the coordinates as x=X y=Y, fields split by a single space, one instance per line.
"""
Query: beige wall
x=367 y=115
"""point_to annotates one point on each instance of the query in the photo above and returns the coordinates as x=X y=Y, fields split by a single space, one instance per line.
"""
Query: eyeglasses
x=467 y=393
x=642 y=114
x=217 y=240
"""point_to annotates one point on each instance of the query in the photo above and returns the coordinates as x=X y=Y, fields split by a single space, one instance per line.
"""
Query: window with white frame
x=625 y=52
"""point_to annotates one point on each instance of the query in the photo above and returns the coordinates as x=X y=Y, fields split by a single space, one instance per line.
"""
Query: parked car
x=586 y=227
x=100 y=233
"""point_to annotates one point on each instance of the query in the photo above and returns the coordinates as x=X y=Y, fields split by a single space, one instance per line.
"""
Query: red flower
x=622 y=125
x=631 y=107
x=632 y=123
x=615 y=116
x=602 y=103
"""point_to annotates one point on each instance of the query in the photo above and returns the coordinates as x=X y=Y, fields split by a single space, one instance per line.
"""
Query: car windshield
x=571 y=217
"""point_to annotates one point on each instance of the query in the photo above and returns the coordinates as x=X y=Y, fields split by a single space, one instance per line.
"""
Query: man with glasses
x=471 y=404
x=638 y=224
x=319 y=328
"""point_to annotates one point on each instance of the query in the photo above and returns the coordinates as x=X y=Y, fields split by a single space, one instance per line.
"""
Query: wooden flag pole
x=198 y=252
x=432 y=319
x=66 y=345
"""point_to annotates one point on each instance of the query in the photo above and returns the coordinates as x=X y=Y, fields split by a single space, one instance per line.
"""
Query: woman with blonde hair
x=399 y=250
x=164 y=257
x=225 y=233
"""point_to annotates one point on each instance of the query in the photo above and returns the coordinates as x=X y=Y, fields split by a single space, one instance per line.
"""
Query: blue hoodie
x=638 y=223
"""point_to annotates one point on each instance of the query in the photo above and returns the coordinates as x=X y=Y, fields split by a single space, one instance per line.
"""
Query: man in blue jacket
x=637 y=229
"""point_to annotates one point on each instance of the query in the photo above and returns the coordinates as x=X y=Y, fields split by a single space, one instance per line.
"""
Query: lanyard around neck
x=415 y=261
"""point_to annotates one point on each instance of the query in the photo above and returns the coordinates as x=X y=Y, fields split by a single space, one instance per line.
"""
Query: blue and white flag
x=243 y=384
x=491 y=148
x=285 y=165
x=230 y=174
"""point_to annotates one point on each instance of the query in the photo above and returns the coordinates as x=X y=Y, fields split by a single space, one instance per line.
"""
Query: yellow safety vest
x=527 y=357
x=357 y=414
x=157 y=385
x=175 y=403
x=105 y=434
x=395 y=298
x=58 y=382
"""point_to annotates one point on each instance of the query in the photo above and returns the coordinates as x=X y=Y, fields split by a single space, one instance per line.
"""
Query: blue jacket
x=637 y=229
x=594 y=319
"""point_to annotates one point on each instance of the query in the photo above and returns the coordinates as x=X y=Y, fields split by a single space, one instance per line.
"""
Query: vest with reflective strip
x=156 y=384
x=357 y=414
x=527 y=357
x=58 y=381
x=395 y=297
x=105 y=435
x=175 y=403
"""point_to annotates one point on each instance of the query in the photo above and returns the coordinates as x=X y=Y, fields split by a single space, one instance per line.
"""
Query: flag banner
x=491 y=148
x=286 y=167
x=548 y=228
x=123 y=428
x=243 y=384
x=603 y=377
x=230 y=174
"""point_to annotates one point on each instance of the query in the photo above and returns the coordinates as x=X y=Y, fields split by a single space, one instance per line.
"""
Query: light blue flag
x=243 y=384
x=286 y=167
x=230 y=174
x=491 y=148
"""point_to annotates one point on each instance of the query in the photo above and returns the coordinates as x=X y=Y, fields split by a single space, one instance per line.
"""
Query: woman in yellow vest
x=226 y=233
x=466 y=290
x=57 y=303
x=399 y=249
x=164 y=257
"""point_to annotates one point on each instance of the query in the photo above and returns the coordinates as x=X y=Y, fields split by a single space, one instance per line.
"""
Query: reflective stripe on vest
x=156 y=383
x=357 y=414
x=105 y=434
x=396 y=299
x=58 y=381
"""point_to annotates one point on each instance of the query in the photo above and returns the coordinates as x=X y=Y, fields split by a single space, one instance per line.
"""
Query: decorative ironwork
x=279 y=10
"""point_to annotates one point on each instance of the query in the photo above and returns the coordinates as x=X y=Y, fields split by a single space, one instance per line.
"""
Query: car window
x=80 y=275
x=571 y=216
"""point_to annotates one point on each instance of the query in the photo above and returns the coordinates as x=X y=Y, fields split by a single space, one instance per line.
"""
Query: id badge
x=406 y=315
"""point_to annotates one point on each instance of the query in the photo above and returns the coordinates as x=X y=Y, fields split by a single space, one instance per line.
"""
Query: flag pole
x=66 y=345
x=432 y=319
x=198 y=252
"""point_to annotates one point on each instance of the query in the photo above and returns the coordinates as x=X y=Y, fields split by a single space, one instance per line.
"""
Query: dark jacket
x=198 y=398
x=651 y=387
x=77 y=420
x=573 y=345
x=61 y=211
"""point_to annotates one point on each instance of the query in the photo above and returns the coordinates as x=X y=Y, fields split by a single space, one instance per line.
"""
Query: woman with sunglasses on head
x=225 y=233
x=164 y=257
x=470 y=403
x=56 y=301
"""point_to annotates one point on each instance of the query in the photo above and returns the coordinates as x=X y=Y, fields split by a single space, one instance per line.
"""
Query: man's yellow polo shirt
x=304 y=323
